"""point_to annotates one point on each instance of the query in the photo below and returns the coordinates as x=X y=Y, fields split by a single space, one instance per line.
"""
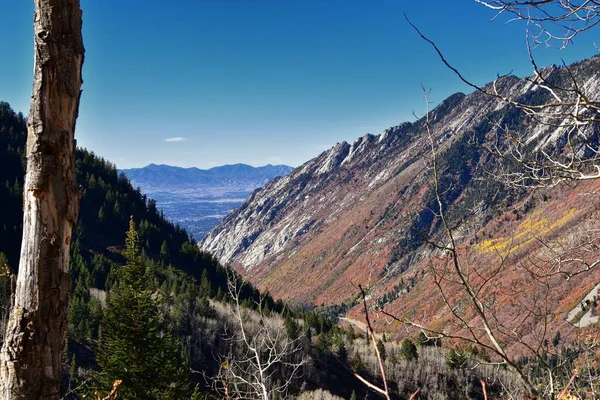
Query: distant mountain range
x=199 y=198
x=167 y=177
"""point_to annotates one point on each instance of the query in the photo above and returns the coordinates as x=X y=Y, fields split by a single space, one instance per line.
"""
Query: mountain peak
x=161 y=175
x=350 y=213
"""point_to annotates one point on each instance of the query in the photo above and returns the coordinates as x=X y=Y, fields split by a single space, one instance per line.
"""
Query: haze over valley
x=198 y=199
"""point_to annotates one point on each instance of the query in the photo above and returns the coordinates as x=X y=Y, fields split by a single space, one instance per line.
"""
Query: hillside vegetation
x=180 y=278
x=137 y=277
x=455 y=222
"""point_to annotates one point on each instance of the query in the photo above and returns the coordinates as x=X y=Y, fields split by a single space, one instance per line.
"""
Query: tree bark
x=31 y=354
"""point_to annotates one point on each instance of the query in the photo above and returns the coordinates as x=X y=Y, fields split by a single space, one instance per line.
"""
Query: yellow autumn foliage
x=534 y=226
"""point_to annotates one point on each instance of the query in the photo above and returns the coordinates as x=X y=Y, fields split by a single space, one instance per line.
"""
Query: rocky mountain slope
x=360 y=212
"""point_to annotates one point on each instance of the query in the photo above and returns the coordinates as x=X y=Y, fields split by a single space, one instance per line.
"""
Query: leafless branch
x=258 y=350
x=554 y=20
x=570 y=109
x=371 y=332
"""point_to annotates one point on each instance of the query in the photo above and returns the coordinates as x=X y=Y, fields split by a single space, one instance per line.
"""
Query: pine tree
x=220 y=296
x=381 y=348
x=133 y=346
x=291 y=327
x=357 y=364
x=73 y=369
x=205 y=288
x=308 y=335
x=342 y=352
x=456 y=358
x=101 y=215
x=409 y=350
x=164 y=253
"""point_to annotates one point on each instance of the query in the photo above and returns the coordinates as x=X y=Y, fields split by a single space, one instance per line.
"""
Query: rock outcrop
x=359 y=212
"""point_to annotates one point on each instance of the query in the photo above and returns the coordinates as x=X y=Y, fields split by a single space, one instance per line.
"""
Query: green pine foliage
x=168 y=294
x=134 y=346
x=323 y=342
x=409 y=350
x=13 y=133
x=456 y=358
x=108 y=200
x=381 y=349
x=291 y=327
x=357 y=364
x=342 y=353
x=205 y=286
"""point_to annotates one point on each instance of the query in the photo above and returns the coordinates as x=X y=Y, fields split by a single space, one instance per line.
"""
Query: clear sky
x=211 y=82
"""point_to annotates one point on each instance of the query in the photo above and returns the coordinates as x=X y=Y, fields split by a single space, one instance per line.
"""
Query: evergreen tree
x=220 y=295
x=409 y=350
x=357 y=364
x=308 y=335
x=456 y=358
x=101 y=215
x=133 y=347
x=556 y=339
x=342 y=352
x=323 y=343
x=164 y=252
x=205 y=285
x=291 y=327
x=381 y=348
x=73 y=369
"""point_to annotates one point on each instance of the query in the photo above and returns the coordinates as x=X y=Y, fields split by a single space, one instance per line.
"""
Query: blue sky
x=211 y=82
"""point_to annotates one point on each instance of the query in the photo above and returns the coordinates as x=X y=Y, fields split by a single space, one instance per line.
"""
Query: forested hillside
x=107 y=203
x=160 y=287
x=12 y=146
x=138 y=278
x=460 y=223
x=175 y=267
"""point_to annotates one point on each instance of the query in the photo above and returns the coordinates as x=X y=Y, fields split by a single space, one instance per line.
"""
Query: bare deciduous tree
x=262 y=361
x=558 y=144
x=561 y=142
x=31 y=354
x=554 y=20
x=469 y=291
x=384 y=390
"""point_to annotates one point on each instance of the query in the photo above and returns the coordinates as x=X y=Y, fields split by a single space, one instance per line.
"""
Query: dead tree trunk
x=31 y=354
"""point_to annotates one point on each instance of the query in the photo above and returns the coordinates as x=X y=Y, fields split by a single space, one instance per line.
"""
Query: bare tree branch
x=259 y=350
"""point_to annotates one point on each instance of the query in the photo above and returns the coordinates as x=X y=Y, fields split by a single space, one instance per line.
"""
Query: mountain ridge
x=359 y=212
x=161 y=175
x=197 y=199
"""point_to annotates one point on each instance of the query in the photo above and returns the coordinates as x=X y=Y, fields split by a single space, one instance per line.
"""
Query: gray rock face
x=359 y=199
